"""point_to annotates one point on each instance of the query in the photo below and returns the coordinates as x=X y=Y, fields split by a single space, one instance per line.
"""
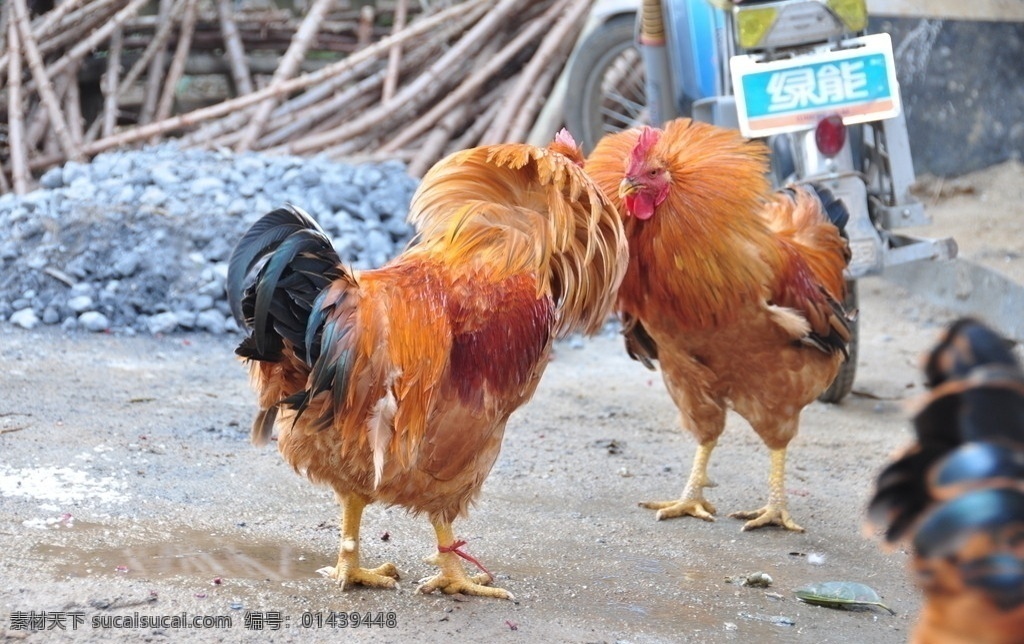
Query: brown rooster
x=395 y=384
x=958 y=493
x=733 y=289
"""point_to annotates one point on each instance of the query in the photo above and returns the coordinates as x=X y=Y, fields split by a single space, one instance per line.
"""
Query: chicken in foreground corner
x=733 y=289
x=957 y=493
x=394 y=385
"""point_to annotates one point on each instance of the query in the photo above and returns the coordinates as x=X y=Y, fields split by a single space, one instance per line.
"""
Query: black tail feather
x=967 y=344
x=960 y=490
x=293 y=261
x=902 y=492
x=639 y=344
x=834 y=208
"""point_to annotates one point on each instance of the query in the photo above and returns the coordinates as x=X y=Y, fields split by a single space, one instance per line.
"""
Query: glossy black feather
x=275 y=274
x=976 y=462
x=902 y=492
x=834 y=208
x=261 y=239
x=639 y=344
x=994 y=411
x=998 y=516
x=960 y=490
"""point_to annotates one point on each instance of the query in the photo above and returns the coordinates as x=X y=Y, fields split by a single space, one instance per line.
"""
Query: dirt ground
x=128 y=488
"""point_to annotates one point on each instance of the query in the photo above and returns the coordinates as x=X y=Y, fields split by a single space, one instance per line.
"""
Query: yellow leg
x=453 y=578
x=692 y=503
x=775 y=513
x=348 y=572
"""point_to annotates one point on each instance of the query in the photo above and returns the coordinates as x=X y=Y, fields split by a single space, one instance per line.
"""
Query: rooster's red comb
x=565 y=138
x=649 y=137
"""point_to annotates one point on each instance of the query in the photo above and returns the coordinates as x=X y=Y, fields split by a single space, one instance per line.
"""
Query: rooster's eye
x=652 y=173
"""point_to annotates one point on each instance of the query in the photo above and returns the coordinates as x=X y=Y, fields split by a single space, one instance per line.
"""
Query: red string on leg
x=456 y=549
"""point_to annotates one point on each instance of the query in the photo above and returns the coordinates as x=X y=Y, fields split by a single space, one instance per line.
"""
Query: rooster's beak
x=628 y=187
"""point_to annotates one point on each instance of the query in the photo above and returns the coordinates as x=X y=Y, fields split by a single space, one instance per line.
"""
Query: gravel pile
x=138 y=241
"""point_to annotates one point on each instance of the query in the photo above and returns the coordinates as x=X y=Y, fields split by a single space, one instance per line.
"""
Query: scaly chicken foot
x=348 y=572
x=775 y=513
x=768 y=515
x=453 y=578
x=692 y=502
x=347 y=575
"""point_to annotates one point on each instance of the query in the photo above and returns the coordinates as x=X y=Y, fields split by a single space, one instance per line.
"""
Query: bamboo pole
x=395 y=53
x=234 y=47
x=177 y=68
x=472 y=83
x=143 y=132
x=5 y=11
x=350 y=146
x=73 y=110
x=487 y=109
x=95 y=38
x=79 y=16
x=43 y=29
x=77 y=26
x=169 y=14
x=575 y=12
x=433 y=146
x=158 y=43
x=19 y=17
x=309 y=110
x=286 y=70
x=15 y=126
x=534 y=101
x=359 y=104
x=110 y=85
x=364 y=30
x=343 y=102
x=421 y=90
x=37 y=120
x=449 y=29
x=537 y=91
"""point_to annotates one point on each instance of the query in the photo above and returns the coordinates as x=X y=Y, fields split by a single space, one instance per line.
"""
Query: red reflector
x=830 y=135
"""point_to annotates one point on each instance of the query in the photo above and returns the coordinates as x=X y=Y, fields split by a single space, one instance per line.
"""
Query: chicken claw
x=348 y=572
x=384 y=576
x=453 y=578
x=692 y=503
x=775 y=513
x=768 y=515
x=697 y=507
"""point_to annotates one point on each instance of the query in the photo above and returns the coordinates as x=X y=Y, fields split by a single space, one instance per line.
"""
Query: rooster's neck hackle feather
x=504 y=209
x=716 y=257
x=721 y=242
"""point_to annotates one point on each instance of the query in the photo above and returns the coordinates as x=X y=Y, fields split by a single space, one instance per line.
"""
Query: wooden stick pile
x=408 y=80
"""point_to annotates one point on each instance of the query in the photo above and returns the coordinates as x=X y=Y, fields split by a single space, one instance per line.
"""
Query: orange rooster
x=958 y=493
x=733 y=289
x=395 y=384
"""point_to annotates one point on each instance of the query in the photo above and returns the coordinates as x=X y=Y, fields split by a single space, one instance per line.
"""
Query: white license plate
x=857 y=82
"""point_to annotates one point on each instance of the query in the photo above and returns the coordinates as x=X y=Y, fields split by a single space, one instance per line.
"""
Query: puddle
x=61 y=484
x=192 y=554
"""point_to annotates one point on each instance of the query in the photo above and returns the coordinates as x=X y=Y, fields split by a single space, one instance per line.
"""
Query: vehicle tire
x=843 y=384
x=606 y=83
